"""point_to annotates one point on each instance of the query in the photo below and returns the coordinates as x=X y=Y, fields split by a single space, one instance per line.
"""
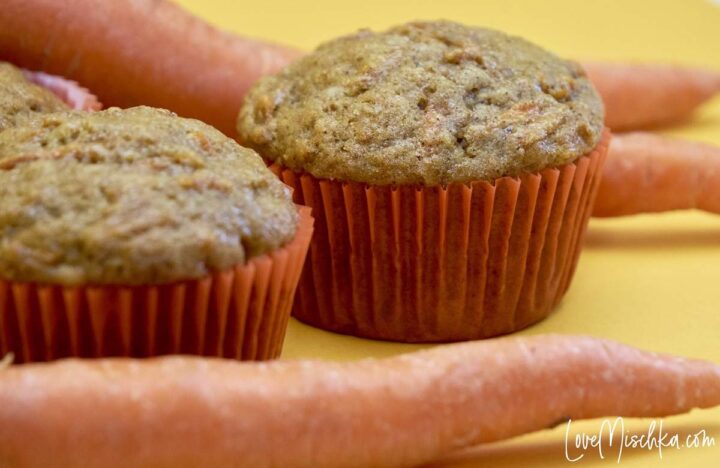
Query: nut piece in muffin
x=20 y=99
x=428 y=103
x=137 y=196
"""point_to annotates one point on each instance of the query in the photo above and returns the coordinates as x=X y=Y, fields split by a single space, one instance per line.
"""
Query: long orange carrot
x=647 y=173
x=185 y=412
x=644 y=96
x=138 y=52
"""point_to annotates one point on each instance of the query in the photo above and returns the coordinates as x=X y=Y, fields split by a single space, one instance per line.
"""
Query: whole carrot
x=138 y=52
x=643 y=96
x=186 y=412
x=646 y=173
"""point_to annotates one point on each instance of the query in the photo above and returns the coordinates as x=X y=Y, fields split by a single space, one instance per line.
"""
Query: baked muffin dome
x=427 y=103
x=137 y=196
x=20 y=99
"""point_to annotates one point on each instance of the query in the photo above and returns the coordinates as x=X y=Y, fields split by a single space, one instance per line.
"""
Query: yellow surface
x=650 y=281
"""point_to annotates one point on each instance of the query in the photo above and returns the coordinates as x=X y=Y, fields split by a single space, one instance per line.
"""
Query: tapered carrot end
x=707 y=82
x=642 y=96
x=717 y=82
x=650 y=173
x=702 y=385
x=655 y=384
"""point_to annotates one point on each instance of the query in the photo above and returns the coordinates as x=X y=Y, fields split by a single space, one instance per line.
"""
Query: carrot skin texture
x=187 y=412
x=645 y=96
x=139 y=52
x=646 y=173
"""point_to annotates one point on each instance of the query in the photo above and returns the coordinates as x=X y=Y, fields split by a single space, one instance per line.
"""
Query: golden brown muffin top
x=135 y=196
x=424 y=103
x=20 y=99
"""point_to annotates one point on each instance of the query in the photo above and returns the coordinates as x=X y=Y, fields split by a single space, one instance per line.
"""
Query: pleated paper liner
x=73 y=94
x=241 y=313
x=431 y=264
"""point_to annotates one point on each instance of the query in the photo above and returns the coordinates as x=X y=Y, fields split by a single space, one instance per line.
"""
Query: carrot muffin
x=424 y=103
x=450 y=166
x=119 y=201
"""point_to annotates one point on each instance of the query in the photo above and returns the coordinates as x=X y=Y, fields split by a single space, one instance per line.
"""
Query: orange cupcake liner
x=431 y=264
x=240 y=313
x=73 y=94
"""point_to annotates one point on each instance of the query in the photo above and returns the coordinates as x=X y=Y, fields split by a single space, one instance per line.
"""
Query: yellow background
x=651 y=281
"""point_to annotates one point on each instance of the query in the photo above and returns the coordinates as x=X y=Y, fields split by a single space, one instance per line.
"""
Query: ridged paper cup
x=241 y=313
x=429 y=264
x=73 y=94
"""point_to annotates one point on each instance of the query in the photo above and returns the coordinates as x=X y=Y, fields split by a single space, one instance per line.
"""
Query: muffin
x=450 y=169
x=24 y=94
x=136 y=232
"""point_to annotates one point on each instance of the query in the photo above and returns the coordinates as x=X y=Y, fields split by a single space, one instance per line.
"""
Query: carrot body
x=138 y=52
x=644 y=96
x=646 y=173
x=186 y=412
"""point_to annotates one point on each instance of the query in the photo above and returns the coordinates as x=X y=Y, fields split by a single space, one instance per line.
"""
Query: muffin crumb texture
x=424 y=103
x=21 y=99
x=137 y=196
